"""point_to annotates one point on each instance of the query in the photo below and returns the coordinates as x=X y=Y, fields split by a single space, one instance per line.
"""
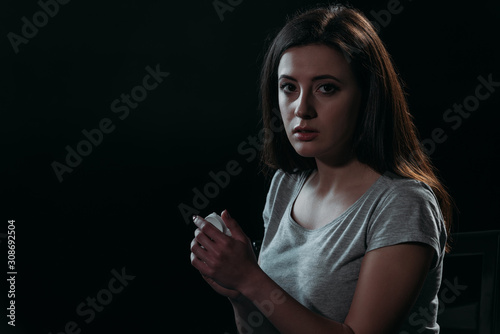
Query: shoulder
x=397 y=191
x=283 y=181
x=406 y=211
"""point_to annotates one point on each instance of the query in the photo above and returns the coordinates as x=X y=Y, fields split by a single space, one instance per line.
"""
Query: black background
x=119 y=207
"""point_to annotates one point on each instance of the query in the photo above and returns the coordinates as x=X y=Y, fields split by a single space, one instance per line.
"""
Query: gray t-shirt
x=320 y=267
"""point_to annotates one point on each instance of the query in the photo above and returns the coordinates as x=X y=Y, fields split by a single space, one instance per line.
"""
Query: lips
x=306 y=129
x=305 y=133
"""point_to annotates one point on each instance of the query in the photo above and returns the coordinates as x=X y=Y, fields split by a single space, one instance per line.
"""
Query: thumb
x=233 y=226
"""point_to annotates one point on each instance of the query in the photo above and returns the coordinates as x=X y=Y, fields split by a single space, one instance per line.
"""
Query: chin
x=305 y=150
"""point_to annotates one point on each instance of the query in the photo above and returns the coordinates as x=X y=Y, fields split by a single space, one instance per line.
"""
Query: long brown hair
x=385 y=137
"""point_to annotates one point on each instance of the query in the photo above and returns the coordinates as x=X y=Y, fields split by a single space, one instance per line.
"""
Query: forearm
x=249 y=319
x=285 y=313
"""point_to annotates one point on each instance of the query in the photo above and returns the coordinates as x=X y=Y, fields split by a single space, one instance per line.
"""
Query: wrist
x=253 y=283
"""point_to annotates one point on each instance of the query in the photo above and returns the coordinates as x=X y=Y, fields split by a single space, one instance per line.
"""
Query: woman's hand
x=226 y=263
x=233 y=295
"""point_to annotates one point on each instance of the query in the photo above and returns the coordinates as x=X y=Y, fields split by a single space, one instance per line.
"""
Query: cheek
x=285 y=119
x=287 y=122
x=345 y=112
x=286 y=115
x=282 y=105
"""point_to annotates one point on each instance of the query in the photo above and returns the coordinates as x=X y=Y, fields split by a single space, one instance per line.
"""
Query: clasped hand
x=226 y=263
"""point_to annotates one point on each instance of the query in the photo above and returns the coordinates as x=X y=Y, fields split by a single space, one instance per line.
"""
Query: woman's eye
x=328 y=88
x=287 y=87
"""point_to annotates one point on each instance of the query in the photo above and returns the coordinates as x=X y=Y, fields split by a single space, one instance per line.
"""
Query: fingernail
x=227 y=213
x=194 y=217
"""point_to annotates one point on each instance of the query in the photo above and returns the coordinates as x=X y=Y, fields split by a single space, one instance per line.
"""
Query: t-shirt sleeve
x=408 y=213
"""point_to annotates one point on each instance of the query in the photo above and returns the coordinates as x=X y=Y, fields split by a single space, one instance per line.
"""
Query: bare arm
x=249 y=319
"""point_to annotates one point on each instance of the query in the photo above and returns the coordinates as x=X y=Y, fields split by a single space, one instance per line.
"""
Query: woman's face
x=319 y=100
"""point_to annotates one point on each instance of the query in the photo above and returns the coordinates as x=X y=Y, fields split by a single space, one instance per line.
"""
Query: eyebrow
x=316 y=78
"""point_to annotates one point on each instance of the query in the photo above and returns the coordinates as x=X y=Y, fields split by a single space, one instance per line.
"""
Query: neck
x=343 y=176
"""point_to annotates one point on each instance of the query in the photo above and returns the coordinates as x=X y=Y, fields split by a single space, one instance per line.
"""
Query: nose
x=305 y=106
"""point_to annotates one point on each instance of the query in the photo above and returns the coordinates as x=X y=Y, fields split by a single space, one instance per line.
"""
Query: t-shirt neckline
x=301 y=182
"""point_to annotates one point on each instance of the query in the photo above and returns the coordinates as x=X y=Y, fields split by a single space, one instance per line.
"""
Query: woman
x=355 y=219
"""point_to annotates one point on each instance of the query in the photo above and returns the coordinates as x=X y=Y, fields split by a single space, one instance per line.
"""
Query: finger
x=199 y=231
x=213 y=283
x=233 y=226
x=211 y=231
x=208 y=280
x=200 y=252
x=204 y=240
x=202 y=267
